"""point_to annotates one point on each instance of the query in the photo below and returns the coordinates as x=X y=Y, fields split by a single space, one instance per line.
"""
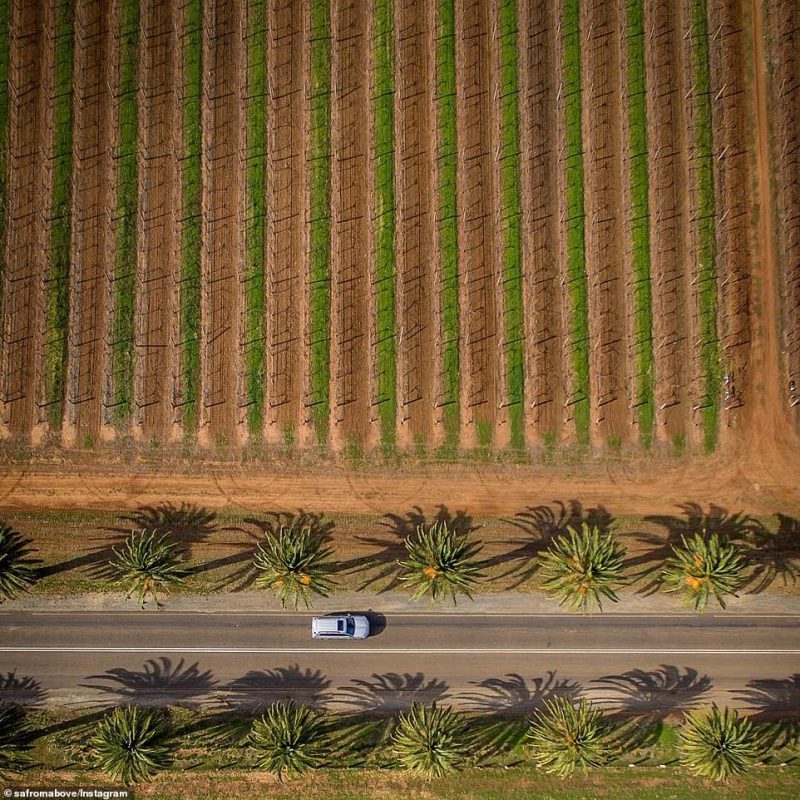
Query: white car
x=340 y=626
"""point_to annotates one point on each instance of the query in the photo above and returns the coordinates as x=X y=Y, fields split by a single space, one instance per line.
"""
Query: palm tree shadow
x=159 y=683
x=540 y=525
x=776 y=709
x=644 y=699
x=775 y=556
x=22 y=691
x=738 y=527
x=504 y=706
x=383 y=564
x=259 y=688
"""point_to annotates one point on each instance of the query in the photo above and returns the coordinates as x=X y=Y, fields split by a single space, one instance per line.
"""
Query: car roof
x=328 y=624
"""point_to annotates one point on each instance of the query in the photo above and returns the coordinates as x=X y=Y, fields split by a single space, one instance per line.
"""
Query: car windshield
x=351 y=626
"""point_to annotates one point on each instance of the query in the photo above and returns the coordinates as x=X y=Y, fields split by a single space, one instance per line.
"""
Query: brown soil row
x=603 y=139
x=541 y=232
x=669 y=241
x=352 y=257
x=222 y=232
x=417 y=257
x=732 y=184
x=93 y=243
x=784 y=111
x=287 y=224
x=158 y=232
x=480 y=300
x=28 y=197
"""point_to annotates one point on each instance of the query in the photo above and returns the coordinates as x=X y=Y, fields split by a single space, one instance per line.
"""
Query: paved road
x=471 y=660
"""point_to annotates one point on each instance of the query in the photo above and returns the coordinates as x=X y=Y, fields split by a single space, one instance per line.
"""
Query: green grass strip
x=385 y=220
x=254 y=233
x=190 y=233
x=127 y=205
x=320 y=215
x=448 y=215
x=706 y=250
x=61 y=217
x=576 y=243
x=512 y=221
x=640 y=221
x=5 y=14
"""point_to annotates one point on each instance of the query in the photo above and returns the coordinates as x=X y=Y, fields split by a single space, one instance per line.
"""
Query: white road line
x=396 y=650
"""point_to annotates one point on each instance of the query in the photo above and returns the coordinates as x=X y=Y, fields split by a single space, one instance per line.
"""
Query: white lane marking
x=415 y=651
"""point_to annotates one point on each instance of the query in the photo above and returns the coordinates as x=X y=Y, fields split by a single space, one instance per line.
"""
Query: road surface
x=482 y=661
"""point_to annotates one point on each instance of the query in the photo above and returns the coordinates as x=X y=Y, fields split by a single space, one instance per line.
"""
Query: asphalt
x=505 y=661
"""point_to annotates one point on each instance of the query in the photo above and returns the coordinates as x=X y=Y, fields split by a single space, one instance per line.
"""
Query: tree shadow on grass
x=383 y=564
x=159 y=683
x=776 y=709
x=23 y=691
x=16 y=739
x=258 y=689
x=540 y=525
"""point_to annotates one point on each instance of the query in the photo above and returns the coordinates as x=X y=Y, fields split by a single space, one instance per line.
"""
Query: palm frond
x=149 y=564
x=718 y=743
x=17 y=571
x=704 y=567
x=441 y=563
x=564 y=737
x=290 y=739
x=583 y=567
x=131 y=744
x=431 y=740
x=295 y=565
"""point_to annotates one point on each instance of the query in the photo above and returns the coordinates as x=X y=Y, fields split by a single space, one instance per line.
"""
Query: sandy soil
x=287 y=225
x=479 y=269
x=222 y=232
x=667 y=167
x=28 y=195
x=544 y=326
x=417 y=260
x=93 y=241
x=352 y=349
x=158 y=234
x=603 y=153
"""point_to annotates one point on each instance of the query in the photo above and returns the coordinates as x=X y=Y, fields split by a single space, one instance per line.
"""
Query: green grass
x=640 y=221
x=385 y=220
x=5 y=11
x=512 y=221
x=190 y=233
x=706 y=249
x=127 y=206
x=448 y=211
x=320 y=168
x=576 y=242
x=254 y=233
x=61 y=218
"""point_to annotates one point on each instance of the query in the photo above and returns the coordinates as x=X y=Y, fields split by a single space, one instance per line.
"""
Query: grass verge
x=640 y=220
x=5 y=12
x=576 y=240
x=448 y=219
x=512 y=221
x=190 y=231
x=254 y=233
x=320 y=168
x=127 y=205
x=385 y=221
x=706 y=234
x=61 y=217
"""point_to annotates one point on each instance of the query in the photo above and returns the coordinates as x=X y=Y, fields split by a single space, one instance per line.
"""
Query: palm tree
x=295 y=565
x=132 y=743
x=149 y=564
x=441 y=563
x=583 y=567
x=17 y=573
x=702 y=567
x=564 y=736
x=290 y=739
x=13 y=738
x=717 y=744
x=431 y=740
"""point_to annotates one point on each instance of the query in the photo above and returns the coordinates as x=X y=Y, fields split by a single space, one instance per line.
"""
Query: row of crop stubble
x=510 y=343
